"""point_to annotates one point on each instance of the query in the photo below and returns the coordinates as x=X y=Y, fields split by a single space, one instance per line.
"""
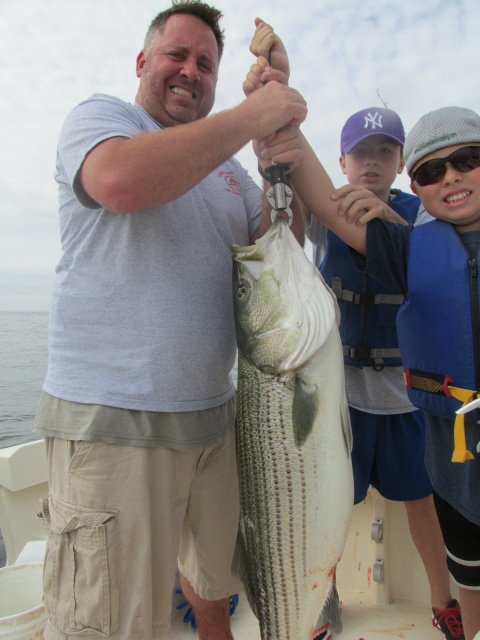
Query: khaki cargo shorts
x=119 y=518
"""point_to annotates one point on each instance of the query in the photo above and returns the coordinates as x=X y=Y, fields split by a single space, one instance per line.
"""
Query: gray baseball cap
x=439 y=129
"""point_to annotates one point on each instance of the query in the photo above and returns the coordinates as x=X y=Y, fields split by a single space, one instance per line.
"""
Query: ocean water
x=23 y=364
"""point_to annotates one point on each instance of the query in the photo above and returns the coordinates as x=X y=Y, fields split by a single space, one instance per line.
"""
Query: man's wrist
x=263 y=173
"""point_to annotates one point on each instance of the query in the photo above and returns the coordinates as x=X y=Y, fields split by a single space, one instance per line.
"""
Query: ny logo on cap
x=374 y=121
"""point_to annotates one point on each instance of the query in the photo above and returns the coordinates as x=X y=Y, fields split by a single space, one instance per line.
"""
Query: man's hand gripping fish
x=293 y=437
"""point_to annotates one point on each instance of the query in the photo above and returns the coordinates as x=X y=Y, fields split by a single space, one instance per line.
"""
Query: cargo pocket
x=81 y=591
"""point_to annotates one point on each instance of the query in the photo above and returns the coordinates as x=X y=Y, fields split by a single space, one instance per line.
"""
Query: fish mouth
x=250 y=253
x=258 y=250
x=238 y=250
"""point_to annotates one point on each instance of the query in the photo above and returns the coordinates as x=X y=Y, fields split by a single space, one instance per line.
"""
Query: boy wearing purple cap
x=388 y=431
x=435 y=266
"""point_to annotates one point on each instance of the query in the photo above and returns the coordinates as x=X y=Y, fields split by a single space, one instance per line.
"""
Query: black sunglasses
x=464 y=160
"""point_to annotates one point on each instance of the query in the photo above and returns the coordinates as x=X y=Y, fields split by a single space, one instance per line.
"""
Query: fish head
x=283 y=309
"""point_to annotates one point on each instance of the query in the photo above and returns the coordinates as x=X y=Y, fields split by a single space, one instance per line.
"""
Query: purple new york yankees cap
x=368 y=122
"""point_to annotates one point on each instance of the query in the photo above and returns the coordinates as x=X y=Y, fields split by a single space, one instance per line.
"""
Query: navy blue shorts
x=462 y=539
x=388 y=453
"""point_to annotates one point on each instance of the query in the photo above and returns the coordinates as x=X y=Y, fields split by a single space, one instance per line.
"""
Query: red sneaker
x=449 y=621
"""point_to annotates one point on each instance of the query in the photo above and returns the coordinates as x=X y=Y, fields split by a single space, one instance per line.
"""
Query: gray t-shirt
x=142 y=314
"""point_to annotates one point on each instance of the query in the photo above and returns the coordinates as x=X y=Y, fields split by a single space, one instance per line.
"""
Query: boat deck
x=361 y=621
x=382 y=585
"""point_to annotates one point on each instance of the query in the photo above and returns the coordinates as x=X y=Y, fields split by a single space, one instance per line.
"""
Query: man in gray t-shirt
x=138 y=405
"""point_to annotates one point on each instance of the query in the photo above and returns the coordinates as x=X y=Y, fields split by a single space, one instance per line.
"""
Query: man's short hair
x=197 y=8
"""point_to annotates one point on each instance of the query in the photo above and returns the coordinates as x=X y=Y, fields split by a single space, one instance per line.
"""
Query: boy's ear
x=414 y=188
x=342 y=164
x=401 y=164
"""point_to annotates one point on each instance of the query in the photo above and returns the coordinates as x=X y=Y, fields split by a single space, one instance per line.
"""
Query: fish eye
x=242 y=290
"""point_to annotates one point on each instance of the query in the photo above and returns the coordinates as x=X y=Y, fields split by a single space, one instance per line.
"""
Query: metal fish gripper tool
x=279 y=195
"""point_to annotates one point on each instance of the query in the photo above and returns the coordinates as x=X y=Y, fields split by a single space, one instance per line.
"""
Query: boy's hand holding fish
x=359 y=205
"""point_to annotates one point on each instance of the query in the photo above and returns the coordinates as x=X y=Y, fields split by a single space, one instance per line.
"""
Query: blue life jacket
x=368 y=308
x=439 y=323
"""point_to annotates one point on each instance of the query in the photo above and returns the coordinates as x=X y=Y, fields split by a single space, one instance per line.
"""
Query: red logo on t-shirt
x=232 y=182
x=233 y=185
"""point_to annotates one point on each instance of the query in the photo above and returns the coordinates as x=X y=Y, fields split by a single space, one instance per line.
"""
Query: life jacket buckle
x=470 y=406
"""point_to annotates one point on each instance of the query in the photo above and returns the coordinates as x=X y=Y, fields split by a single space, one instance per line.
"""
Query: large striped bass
x=293 y=436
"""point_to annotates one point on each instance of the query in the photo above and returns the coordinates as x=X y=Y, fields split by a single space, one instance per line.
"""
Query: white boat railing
x=23 y=482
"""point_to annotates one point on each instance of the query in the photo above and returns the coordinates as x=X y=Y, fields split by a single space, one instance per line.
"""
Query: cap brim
x=347 y=148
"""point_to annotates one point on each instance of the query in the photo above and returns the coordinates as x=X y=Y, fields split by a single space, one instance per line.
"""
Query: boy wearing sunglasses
x=388 y=432
x=435 y=266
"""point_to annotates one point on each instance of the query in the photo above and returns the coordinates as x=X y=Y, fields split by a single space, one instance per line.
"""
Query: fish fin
x=240 y=570
x=304 y=410
x=331 y=610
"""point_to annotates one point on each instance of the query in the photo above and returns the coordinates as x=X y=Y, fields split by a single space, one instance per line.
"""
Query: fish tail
x=331 y=609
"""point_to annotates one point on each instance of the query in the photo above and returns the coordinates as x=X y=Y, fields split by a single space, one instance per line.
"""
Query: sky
x=409 y=55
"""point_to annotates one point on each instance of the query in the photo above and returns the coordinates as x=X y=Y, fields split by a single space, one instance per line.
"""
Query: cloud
x=419 y=56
